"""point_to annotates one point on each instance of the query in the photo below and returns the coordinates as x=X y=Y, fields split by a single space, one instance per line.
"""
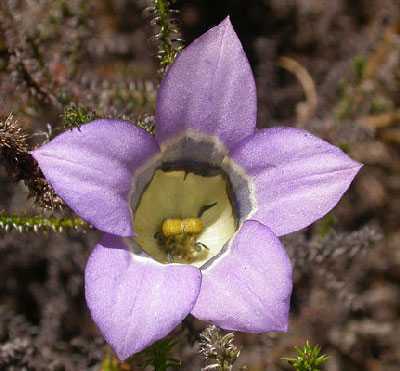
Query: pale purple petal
x=248 y=288
x=210 y=89
x=92 y=168
x=136 y=301
x=298 y=177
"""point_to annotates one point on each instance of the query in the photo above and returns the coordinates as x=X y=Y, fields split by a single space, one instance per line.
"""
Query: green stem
x=169 y=43
x=37 y=223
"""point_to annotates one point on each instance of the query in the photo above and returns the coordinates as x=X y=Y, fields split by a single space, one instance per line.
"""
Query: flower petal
x=92 y=168
x=136 y=301
x=210 y=89
x=298 y=177
x=248 y=287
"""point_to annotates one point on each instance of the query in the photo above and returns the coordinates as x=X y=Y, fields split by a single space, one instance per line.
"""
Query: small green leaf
x=309 y=358
x=325 y=225
x=76 y=115
x=359 y=66
x=159 y=355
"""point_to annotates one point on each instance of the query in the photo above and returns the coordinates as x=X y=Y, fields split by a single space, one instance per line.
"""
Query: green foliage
x=169 y=44
x=76 y=115
x=309 y=358
x=359 y=66
x=380 y=104
x=110 y=364
x=325 y=225
x=159 y=355
x=40 y=224
x=351 y=91
x=345 y=147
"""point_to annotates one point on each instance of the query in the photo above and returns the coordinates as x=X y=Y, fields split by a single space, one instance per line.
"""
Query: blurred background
x=329 y=66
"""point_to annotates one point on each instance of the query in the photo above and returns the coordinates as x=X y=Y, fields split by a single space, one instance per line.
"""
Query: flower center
x=184 y=217
x=178 y=237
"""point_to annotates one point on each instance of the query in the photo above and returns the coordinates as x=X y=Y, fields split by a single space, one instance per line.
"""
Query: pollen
x=173 y=227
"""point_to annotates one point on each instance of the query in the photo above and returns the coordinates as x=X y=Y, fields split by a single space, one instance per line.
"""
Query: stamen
x=178 y=238
x=173 y=227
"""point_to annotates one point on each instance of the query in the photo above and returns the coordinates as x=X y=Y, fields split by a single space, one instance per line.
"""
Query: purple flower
x=209 y=194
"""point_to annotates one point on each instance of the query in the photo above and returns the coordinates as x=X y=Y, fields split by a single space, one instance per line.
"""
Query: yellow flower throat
x=183 y=217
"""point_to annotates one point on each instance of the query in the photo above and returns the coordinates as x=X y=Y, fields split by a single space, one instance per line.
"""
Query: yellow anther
x=173 y=227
